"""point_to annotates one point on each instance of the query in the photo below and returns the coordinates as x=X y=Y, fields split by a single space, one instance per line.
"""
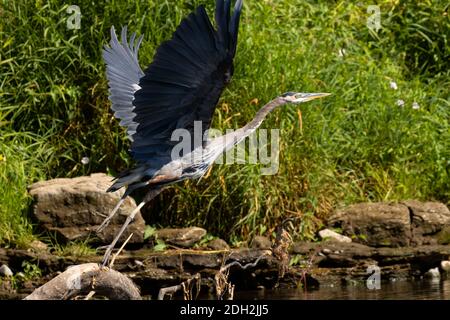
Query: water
x=401 y=290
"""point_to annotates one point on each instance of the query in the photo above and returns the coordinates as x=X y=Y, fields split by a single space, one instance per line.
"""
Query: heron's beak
x=304 y=97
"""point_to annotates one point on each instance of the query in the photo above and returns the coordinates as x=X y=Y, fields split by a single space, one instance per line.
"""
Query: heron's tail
x=133 y=179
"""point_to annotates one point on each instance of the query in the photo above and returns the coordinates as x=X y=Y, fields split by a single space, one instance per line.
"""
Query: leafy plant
x=31 y=271
x=160 y=245
x=149 y=232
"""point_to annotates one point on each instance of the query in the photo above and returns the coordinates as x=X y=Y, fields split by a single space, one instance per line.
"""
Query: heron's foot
x=106 y=256
x=119 y=234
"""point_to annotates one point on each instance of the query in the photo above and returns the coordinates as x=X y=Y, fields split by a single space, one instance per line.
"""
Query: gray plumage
x=123 y=73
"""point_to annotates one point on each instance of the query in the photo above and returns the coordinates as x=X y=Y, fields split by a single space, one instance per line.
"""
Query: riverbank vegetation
x=384 y=134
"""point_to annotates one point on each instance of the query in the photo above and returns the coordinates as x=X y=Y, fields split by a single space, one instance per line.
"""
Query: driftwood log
x=84 y=279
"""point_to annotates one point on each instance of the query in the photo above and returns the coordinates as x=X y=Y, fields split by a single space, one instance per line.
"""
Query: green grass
x=22 y=158
x=357 y=145
x=74 y=249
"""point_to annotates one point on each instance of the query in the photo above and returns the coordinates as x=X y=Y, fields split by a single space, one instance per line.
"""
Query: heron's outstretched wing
x=185 y=80
x=123 y=73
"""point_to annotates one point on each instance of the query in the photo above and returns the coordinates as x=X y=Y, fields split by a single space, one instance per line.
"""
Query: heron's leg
x=149 y=196
x=111 y=215
x=119 y=234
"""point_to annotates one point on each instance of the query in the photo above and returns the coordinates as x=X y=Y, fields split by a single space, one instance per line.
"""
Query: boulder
x=260 y=242
x=327 y=234
x=427 y=219
x=374 y=224
x=218 y=244
x=74 y=208
x=183 y=237
x=37 y=246
x=333 y=254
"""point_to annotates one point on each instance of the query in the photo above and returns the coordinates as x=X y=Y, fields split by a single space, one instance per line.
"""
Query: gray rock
x=353 y=254
x=375 y=224
x=74 y=208
x=260 y=242
x=428 y=218
x=38 y=245
x=6 y=271
x=445 y=265
x=348 y=254
x=433 y=274
x=218 y=244
x=246 y=255
x=331 y=235
x=184 y=237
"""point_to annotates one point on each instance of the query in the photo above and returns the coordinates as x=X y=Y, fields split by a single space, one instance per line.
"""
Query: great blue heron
x=182 y=85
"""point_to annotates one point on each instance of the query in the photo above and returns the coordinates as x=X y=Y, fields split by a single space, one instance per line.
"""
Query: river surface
x=400 y=290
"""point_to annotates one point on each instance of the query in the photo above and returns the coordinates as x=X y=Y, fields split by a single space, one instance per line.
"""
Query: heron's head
x=300 y=97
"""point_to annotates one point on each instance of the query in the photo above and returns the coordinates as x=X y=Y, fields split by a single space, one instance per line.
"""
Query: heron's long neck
x=261 y=115
x=224 y=143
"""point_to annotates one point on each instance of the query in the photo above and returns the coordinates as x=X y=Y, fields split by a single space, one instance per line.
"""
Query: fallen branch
x=90 y=295
x=187 y=287
x=84 y=278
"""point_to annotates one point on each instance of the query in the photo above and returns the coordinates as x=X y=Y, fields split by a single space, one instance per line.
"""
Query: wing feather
x=186 y=79
x=123 y=73
x=183 y=84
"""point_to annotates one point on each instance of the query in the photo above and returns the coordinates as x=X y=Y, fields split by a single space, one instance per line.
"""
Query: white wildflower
x=415 y=106
x=393 y=85
x=400 y=102
x=85 y=160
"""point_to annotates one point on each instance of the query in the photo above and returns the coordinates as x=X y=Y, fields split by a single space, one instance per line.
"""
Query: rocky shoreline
x=401 y=241
x=320 y=264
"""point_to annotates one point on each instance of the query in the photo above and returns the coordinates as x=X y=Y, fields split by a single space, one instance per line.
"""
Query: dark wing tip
x=234 y=26
x=228 y=27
